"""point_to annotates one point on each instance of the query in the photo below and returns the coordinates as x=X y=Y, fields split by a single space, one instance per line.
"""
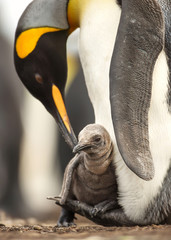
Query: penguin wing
x=138 y=44
x=166 y=9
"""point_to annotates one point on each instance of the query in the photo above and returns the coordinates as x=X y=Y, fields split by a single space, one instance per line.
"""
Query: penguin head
x=97 y=146
x=40 y=60
x=94 y=140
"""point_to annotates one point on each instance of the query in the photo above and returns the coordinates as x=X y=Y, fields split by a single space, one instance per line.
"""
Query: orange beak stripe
x=58 y=100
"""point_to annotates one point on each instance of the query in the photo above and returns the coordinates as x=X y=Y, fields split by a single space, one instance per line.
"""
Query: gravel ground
x=31 y=228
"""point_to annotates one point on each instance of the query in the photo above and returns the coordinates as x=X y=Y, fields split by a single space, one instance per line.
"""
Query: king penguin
x=124 y=47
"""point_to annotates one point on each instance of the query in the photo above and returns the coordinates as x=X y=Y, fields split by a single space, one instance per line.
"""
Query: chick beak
x=81 y=147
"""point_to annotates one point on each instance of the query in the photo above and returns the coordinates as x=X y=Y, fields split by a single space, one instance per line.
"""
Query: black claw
x=94 y=212
x=66 y=224
x=103 y=207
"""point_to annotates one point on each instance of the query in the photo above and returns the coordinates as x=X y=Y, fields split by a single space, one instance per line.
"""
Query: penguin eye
x=97 y=139
x=38 y=78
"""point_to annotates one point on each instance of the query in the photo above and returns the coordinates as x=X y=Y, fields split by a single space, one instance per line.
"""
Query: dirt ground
x=31 y=228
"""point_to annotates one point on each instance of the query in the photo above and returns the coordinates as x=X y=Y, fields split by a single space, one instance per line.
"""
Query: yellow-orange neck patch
x=58 y=100
x=73 y=14
x=76 y=9
x=27 y=40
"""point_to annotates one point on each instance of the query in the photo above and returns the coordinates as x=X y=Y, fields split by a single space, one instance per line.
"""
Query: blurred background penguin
x=10 y=132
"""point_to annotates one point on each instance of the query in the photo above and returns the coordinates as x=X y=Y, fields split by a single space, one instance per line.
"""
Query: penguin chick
x=89 y=177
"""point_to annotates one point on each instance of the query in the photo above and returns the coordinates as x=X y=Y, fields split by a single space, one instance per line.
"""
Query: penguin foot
x=104 y=206
x=65 y=224
x=66 y=219
x=114 y=217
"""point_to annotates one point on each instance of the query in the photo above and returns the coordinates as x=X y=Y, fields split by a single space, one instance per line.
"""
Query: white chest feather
x=97 y=36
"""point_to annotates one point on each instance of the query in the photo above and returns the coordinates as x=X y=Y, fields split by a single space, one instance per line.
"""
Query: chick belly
x=92 y=196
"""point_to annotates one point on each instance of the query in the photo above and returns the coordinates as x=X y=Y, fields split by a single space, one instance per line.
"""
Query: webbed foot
x=66 y=219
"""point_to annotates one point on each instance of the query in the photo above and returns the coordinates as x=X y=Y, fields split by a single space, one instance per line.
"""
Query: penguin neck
x=98 y=163
x=98 y=29
x=76 y=9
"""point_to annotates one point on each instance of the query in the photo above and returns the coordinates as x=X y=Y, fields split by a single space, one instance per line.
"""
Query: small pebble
x=37 y=227
x=2 y=225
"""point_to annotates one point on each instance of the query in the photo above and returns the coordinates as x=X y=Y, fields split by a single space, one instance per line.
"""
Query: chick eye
x=98 y=139
x=38 y=78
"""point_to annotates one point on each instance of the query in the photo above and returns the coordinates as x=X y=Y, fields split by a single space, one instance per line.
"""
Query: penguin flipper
x=139 y=42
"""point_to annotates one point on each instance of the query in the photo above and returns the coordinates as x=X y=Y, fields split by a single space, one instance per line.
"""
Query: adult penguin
x=128 y=41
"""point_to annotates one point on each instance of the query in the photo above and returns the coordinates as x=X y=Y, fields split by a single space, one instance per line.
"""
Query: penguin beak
x=80 y=146
x=62 y=119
